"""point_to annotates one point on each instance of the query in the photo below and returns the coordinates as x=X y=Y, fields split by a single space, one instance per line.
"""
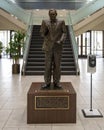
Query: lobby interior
x=14 y=89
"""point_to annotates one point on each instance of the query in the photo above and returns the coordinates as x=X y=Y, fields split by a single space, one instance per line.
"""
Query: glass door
x=84 y=44
x=97 y=43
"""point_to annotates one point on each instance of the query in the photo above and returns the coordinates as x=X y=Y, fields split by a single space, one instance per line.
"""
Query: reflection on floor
x=13 y=98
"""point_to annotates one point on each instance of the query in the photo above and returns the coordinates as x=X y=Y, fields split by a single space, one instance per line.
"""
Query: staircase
x=35 y=61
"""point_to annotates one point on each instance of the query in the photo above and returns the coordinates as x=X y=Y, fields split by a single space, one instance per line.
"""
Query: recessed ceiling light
x=88 y=1
x=37 y=9
x=16 y=17
x=63 y=9
x=13 y=1
x=12 y=15
x=61 y=15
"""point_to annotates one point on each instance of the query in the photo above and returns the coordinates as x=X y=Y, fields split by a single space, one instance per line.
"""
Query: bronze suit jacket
x=52 y=32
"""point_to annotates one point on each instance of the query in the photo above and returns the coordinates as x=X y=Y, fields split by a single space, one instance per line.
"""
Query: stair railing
x=74 y=44
x=86 y=10
x=27 y=43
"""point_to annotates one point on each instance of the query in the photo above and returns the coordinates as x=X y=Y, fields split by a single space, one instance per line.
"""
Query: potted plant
x=1 y=48
x=15 y=45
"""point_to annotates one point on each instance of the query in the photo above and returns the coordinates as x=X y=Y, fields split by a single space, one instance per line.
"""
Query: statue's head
x=52 y=14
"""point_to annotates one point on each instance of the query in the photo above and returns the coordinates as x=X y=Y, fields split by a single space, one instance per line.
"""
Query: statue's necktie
x=53 y=27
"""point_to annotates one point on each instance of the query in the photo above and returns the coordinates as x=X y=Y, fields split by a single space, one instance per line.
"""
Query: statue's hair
x=53 y=10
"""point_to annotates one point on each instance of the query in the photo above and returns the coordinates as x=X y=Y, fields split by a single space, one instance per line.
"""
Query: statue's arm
x=44 y=30
x=64 y=32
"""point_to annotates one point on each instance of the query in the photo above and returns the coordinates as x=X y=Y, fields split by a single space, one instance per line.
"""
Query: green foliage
x=1 y=47
x=16 y=43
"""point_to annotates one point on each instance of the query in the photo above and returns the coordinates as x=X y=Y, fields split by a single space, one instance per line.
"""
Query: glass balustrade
x=86 y=10
x=73 y=41
x=27 y=42
x=15 y=10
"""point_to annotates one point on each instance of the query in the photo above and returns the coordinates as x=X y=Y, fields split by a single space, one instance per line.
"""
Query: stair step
x=35 y=52
x=42 y=56
x=43 y=63
x=42 y=59
x=42 y=73
x=43 y=69
x=39 y=45
x=42 y=52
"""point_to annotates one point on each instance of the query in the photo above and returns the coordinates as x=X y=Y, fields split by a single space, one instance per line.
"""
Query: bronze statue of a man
x=54 y=33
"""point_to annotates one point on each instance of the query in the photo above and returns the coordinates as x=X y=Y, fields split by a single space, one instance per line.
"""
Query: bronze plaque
x=51 y=102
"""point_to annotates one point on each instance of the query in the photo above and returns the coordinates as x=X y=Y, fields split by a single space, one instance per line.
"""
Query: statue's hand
x=58 y=42
x=46 y=32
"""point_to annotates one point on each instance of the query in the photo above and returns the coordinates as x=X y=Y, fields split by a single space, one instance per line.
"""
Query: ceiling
x=47 y=4
x=89 y=24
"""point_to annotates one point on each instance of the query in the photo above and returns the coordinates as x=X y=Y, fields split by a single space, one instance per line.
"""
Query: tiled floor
x=13 y=98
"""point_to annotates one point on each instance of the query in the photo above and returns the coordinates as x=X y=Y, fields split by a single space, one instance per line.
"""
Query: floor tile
x=4 y=116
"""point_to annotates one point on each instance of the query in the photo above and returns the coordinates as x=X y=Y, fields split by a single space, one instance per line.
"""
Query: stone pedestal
x=51 y=106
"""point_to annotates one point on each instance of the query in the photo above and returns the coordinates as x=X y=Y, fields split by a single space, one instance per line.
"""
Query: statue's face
x=52 y=15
